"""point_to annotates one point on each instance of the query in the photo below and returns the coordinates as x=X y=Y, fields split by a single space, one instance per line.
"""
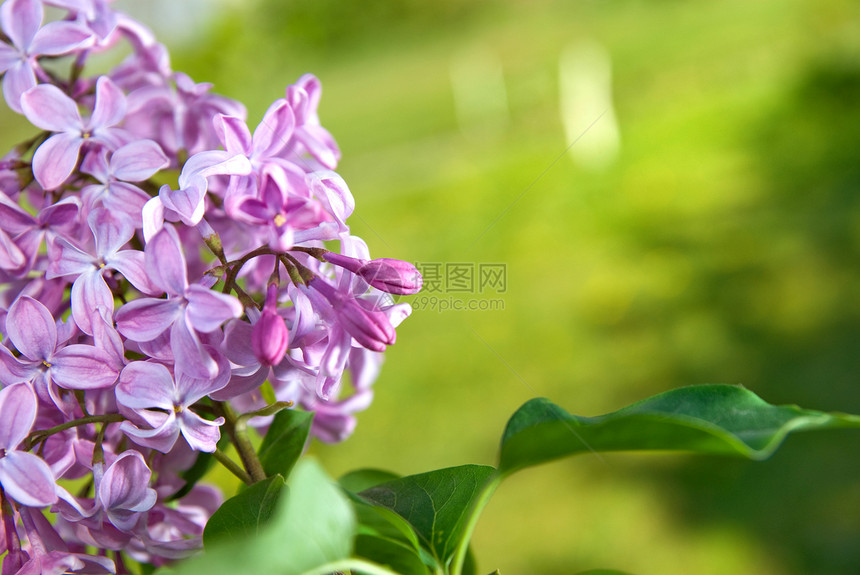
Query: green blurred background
x=705 y=228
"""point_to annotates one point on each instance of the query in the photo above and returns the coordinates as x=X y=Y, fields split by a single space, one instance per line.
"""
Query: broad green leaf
x=244 y=514
x=603 y=572
x=711 y=419
x=391 y=553
x=361 y=479
x=284 y=442
x=374 y=520
x=311 y=531
x=437 y=504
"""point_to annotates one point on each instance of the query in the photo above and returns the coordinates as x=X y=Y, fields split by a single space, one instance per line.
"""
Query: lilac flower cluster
x=140 y=317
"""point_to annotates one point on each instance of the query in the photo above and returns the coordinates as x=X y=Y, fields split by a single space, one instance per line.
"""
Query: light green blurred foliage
x=720 y=244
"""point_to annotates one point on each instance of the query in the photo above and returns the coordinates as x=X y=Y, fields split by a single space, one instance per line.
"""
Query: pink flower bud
x=369 y=325
x=392 y=276
x=269 y=338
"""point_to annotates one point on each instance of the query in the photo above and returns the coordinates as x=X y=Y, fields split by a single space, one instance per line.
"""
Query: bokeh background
x=673 y=188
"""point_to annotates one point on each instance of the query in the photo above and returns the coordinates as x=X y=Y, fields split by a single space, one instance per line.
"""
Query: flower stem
x=231 y=466
x=237 y=429
x=43 y=434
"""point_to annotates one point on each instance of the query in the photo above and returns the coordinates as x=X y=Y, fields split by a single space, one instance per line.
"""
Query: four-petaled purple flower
x=47 y=107
x=150 y=391
x=187 y=309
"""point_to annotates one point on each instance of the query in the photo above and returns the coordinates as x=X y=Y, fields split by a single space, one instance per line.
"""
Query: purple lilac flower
x=163 y=403
x=93 y=232
x=44 y=361
x=21 y=21
x=134 y=162
x=47 y=107
x=124 y=492
x=187 y=309
x=89 y=290
x=24 y=477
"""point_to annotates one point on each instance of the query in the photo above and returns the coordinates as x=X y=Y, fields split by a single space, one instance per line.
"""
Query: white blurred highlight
x=585 y=86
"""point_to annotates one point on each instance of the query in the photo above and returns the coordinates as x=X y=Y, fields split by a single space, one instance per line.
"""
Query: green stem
x=231 y=466
x=43 y=434
x=317 y=253
x=237 y=429
x=460 y=554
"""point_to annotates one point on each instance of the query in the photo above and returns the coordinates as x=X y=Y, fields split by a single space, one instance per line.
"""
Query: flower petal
x=131 y=264
x=125 y=485
x=83 y=367
x=201 y=434
x=31 y=328
x=19 y=78
x=233 y=134
x=162 y=438
x=110 y=105
x=112 y=230
x=138 y=161
x=56 y=158
x=146 y=318
x=59 y=38
x=17 y=414
x=191 y=357
x=208 y=309
x=21 y=20
x=165 y=262
x=47 y=107
x=27 y=479
x=145 y=385
x=274 y=130
x=89 y=293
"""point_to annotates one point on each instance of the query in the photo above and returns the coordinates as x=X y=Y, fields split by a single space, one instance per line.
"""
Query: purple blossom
x=28 y=233
x=70 y=248
x=21 y=21
x=24 y=477
x=163 y=403
x=33 y=332
x=310 y=136
x=134 y=162
x=89 y=291
x=47 y=107
x=124 y=492
x=187 y=309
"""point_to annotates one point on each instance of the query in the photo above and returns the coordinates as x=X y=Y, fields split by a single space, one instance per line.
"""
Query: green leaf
x=311 y=531
x=244 y=514
x=711 y=419
x=392 y=554
x=437 y=504
x=284 y=442
x=361 y=479
x=603 y=572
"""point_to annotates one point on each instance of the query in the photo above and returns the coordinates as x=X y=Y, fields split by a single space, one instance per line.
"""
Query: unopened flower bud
x=392 y=276
x=386 y=274
x=360 y=318
x=269 y=338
